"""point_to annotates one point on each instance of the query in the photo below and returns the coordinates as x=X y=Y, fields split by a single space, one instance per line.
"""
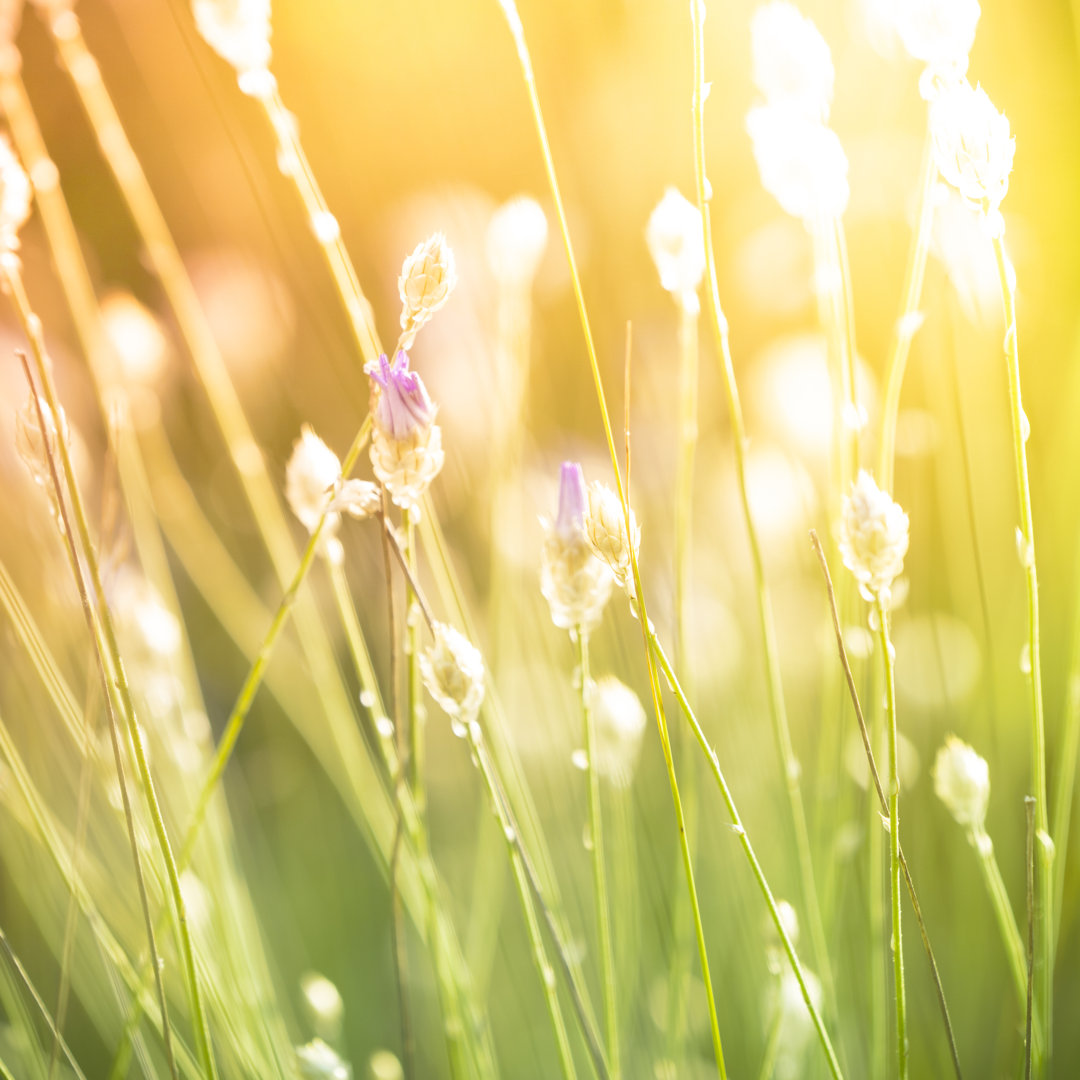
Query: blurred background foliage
x=415 y=118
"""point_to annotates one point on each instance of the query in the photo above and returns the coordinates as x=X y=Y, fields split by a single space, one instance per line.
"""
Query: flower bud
x=453 y=672
x=676 y=242
x=605 y=527
x=802 y=163
x=406 y=447
x=15 y=195
x=620 y=723
x=962 y=782
x=575 y=583
x=940 y=33
x=428 y=276
x=237 y=30
x=791 y=60
x=973 y=149
x=873 y=537
x=516 y=239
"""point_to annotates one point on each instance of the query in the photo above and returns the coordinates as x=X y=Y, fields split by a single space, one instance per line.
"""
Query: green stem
x=596 y=835
x=1003 y=912
x=1044 y=953
x=906 y=325
x=894 y=842
x=738 y=828
x=31 y=325
x=772 y=1043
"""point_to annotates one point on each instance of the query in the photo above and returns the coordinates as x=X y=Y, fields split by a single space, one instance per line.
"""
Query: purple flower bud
x=404 y=407
x=570 y=524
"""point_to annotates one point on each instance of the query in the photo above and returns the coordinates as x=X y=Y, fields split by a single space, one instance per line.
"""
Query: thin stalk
x=772 y=1042
x=596 y=835
x=517 y=31
x=748 y=849
x=1029 y=849
x=412 y=674
x=882 y=801
x=31 y=325
x=907 y=324
x=531 y=926
x=894 y=843
x=1044 y=898
x=777 y=708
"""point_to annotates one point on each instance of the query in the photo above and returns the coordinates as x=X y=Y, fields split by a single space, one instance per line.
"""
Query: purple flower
x=404 y=407
x=570 y=524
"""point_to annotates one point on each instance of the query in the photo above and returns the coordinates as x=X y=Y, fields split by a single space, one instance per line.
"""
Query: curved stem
x=1044 y=967
x=894 y=842
x=596 y=836
x=1003 y=912
x=907 y=324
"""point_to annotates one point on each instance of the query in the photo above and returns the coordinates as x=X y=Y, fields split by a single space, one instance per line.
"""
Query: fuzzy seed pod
x=962 y=782
x=453 y=672
x=428 y=276
x=605 y=527
x=873 y=538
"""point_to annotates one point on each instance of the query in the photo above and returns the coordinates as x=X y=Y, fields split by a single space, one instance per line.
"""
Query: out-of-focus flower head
x=428 y=277
x=30 y=442
x=873 y=538
x=15 y=196
x=962 y=782
x=966 y=251
x=406 y=447
x=575 y=583
x=516 y=238
x=137 y=339
x=237 y=30
x=792 y=64
x=940 y=33
x=453 y=672
x=973 y=149
x=676 y=242
x=775 y=953
x=802 y=163
x=796 y=1026
x=324 y=1004
x=620 y=724
x=605 y=527
x=319 y=1061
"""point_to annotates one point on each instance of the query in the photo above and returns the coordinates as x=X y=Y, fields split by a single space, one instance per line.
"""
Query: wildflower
x=15 y=195
x=516 y=239
x=406 y=447
x=873 y=538
x=962 y=782
x=620 y=723
x=453 y=672
x=940 y=33
x=237 y=30
x=318 y=1061
x=31 y=445
x=605 y=527
x=324 y=1004
x=802 y=164
x=791 y=61
x=973 y=149
x=575 y=583
x=428 y=276
x=676 y=243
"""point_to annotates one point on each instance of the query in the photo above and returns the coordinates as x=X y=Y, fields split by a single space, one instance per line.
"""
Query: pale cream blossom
x=620 y=722
x=311 y=475
x=605 y=526
x=237 y=30
x=790 y=59
x=962 y=782
x=428 y=277
x=30 y=443
x=324 y=1004
x=940 y=33
x=873 y=537
x=516 y=239
x=973 y=149
x=802 y=163
x=453 y=672
x=676 y=242
x=15 y=196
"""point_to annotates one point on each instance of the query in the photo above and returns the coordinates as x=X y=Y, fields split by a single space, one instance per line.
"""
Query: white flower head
x=802 y=163
x=973 y=149
x=319 y=1061
x=791 y=61
x=428 y=276
x=962 y=782
x=676 y=242
x=940 y=33
x=873 y=537
x=605 y=527
x=311 y=475
x=324 y=1004
x=15 y=196
x=516 y=239
x=575 y=583
x=453 y=672
x=237 y=30
x=620 y=726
